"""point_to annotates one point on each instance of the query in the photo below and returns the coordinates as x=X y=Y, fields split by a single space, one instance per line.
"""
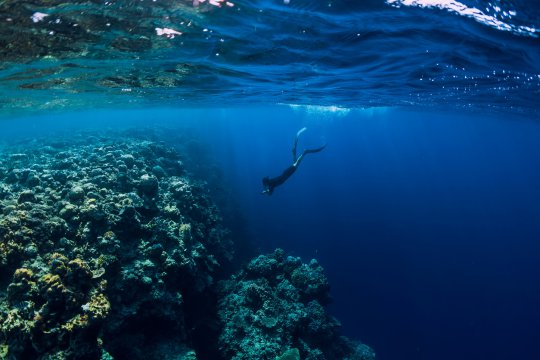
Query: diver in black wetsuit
x=271 y=183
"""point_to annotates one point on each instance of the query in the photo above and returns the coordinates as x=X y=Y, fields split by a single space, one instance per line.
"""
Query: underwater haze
x=157 y=200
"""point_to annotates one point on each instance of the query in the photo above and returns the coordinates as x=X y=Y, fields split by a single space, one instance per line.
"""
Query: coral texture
x=103 y=241
x=274 y=309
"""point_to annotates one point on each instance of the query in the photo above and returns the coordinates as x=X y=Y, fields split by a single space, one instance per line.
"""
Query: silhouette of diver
x=271 y=183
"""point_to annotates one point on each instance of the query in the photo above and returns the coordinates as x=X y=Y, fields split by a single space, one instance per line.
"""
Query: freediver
x=271 y=183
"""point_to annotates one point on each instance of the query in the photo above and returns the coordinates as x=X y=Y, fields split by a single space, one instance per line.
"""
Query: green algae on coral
x=274 y=309
x=4 y=351
x=291 y=354
x=98 y=258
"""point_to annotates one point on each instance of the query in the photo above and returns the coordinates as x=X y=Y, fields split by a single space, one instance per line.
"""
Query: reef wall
x=274 y=309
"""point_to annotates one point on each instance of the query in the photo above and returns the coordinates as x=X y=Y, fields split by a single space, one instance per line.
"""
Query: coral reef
x=112 y=248
x=102 y=240
x=274 y=309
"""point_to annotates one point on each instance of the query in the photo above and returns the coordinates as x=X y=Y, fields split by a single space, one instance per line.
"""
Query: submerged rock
x=148 y=185
x=76 y=194
x=26 y=196
x=98 y=268
x=273 y=309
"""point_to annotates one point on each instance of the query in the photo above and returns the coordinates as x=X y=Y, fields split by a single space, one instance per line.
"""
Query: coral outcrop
x=274 y=309
x=102 y=242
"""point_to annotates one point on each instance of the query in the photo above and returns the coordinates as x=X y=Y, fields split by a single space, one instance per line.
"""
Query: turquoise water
x=477 y=55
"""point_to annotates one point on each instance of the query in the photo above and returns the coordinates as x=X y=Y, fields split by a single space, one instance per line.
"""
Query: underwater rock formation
x=110 y=248
x=274 y=309
x=103 y=241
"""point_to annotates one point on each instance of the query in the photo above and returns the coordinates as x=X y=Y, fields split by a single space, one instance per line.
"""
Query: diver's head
x=266 y=184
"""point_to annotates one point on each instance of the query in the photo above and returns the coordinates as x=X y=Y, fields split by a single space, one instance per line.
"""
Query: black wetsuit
x=270 y=183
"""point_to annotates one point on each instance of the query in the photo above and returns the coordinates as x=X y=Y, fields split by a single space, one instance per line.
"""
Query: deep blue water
x=427 y=223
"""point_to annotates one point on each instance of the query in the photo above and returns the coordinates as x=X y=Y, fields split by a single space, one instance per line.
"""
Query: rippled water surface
x=429 y=53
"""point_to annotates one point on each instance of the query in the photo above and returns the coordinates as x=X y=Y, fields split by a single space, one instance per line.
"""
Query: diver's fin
x=301 y=131
x=311 y=151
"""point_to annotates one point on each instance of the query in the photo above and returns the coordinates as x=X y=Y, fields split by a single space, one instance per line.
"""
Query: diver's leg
x=308 y=151
x=294 y=149
x=297 y=162
x=312 y=151
x=296 y=142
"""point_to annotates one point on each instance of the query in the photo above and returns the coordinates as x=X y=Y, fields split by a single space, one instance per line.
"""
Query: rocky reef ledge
x=110 y=249
x=274 y=309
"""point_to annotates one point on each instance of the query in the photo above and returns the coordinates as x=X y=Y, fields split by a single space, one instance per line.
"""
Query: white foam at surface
x=470 y=12
x=320 y=109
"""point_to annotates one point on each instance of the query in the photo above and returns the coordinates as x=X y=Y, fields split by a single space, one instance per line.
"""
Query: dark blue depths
x=427 y=224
